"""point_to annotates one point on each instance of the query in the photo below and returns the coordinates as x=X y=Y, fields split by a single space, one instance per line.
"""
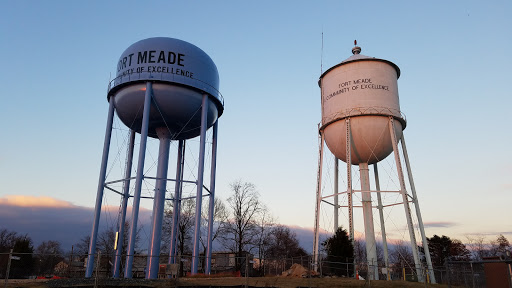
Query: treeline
x=443 y=249
x=339 y=250
x=43 y=259
x=243 y=224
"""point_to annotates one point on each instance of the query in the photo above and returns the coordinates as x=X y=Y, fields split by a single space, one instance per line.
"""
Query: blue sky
x=58 y=57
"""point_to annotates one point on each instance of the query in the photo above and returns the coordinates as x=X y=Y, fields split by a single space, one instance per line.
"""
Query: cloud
x=44 y=218
x=439 y=224
x=492 y=233
x=33 y=201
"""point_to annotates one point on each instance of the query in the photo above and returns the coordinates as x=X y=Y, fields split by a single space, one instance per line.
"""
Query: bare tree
x=239 y=233
x=106 y=241
x=284 y=243
x=380 y=253
x=500 y=246
x=105 y=244
x=220 y=216
x=48 y=253
x=167 y=227
x=360 y=253
x=264 y=235
x=7 y=240
x=401 y=255
x=185 y=225
x=477 y=246
x=81 y=248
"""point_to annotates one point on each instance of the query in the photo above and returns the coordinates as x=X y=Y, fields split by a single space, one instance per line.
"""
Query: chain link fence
x=227 y=264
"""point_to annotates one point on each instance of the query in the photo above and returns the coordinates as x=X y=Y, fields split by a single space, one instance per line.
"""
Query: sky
x=454 y=57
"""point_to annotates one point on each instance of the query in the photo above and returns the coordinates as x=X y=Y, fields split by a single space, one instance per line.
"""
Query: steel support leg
x=126 y=195
x=177 y=201
x=158 y=204
x=99 y=193
x=349 y=189
x=318 y=201
x=369 y=231
x=211 y=208
x=405 y=198
x=199 y=195
x=336 y=202
x=138 y=180
x=418 y=214
x=381 y=216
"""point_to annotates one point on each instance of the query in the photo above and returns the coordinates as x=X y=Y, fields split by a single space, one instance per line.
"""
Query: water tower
x=167 y=89
x=361 y=125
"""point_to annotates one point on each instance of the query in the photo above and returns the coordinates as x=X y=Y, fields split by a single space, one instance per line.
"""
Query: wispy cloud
x=440 y=224
x=492 y=233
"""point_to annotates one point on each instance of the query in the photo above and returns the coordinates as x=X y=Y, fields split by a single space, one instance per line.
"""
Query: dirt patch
x=297 y=270
x=281 y=282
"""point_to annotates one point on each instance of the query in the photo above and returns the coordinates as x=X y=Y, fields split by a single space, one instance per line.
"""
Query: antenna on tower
x=322 y=53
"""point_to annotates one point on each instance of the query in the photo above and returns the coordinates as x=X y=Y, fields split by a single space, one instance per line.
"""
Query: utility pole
x=8 y=269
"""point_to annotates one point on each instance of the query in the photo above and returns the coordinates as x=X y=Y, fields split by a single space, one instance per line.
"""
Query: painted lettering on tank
x=365 y=80
x=153 y=56
x=124 y=62
x=354 y=85
x=161 y=57
x=143 y=57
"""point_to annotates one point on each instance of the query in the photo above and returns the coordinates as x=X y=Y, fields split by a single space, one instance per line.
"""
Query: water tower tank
x=364 y=89
x=181 y=74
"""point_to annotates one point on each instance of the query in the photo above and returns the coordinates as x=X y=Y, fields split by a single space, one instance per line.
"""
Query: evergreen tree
x=339 y=249
x=443 y=248
x=7 y=240
x=24 y=249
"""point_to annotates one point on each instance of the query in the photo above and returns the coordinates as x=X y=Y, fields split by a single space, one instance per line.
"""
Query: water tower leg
x=369 y=231
x=381 y=216
x=159 y=203
x=126 y=195
x=349 y=189
x=177 y=201
x=336 y=207
x=318 y=201
x=101 y=185
x=199 y=195
x=405 y=198
x=418 y=213
x=138 y=181
x=211 y=208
